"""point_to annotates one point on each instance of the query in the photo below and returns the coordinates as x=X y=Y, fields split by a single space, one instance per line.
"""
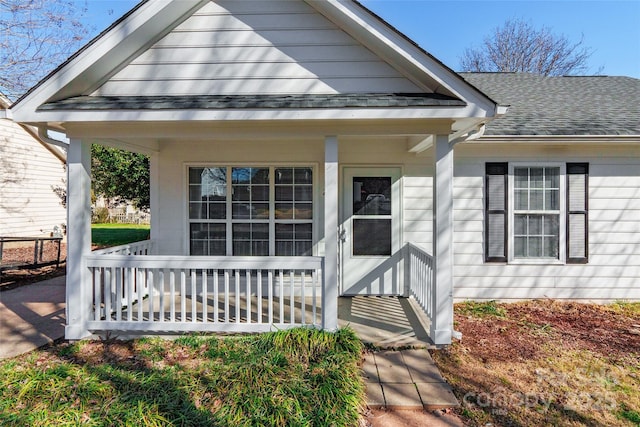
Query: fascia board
x=104 y=55
x=178 y=115
x=558 y=139
x=394 y=48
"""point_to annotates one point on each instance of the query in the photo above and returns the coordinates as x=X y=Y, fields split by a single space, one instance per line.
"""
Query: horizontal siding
x=261 y=47
x=28 y=171
x=613 y=271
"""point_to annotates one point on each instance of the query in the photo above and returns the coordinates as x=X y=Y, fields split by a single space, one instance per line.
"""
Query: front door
x=371 y=232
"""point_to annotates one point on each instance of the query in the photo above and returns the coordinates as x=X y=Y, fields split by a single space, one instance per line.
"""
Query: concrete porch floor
x=385 y=321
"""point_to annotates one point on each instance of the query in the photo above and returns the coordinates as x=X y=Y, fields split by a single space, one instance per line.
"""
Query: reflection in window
x=238 y=217
x=372 y=195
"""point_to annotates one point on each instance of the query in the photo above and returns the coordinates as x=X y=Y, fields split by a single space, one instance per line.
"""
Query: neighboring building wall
x=28 y=171
x=613 y=270
x=170 y=218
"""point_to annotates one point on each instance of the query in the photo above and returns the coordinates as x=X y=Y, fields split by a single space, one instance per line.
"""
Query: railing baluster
x=259 y=294
x=314 y=283
x=183 y=292
x=150 y=285
x=237 y=277
x=281 y=282
x=204 y=296
x=118 y=274
x=270 y=292
x=303 y=303
x=226 y=296
x=107 y=293
x=140 y=289
x=248 y=296
x=97 y=293
x=215 y=296
x=129 y=287
x=162 y=275
x=194 y=296
x=172 y=295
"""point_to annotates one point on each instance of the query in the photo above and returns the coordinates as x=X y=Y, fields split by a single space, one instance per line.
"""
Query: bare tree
x=519 y=47
x=35 y=36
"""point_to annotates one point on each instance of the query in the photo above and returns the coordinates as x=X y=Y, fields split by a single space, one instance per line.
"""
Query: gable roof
x=114 y=70
x=567 y=105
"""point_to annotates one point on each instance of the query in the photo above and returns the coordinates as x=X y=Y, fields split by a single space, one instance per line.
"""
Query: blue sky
x=446 y=28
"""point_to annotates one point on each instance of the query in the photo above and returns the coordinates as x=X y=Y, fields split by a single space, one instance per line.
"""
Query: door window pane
x=371 y=237
x=372 y=195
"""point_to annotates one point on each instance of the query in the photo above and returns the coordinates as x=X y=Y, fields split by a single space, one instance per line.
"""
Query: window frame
x=229 y=221
x=511 y=259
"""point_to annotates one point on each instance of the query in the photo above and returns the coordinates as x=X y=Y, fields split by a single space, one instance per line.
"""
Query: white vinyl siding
x=256 y=47
x=613 y=268
x=28 y=174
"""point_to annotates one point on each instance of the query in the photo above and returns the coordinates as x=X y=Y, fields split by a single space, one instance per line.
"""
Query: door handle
x=343 y=235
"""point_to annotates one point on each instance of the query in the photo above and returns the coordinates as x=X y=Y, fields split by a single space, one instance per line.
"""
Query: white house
x=300 y=150
x=30 y=169
x=547 y=201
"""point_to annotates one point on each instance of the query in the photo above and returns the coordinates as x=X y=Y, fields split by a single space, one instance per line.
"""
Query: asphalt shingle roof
x=594 y=105
x=370 y=100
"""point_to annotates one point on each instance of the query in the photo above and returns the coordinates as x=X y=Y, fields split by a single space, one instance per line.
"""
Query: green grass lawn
x=301 y=377
x=107 y=235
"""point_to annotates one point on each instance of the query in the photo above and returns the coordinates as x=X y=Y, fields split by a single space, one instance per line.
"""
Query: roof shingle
x=568 y=105
x=357 y=100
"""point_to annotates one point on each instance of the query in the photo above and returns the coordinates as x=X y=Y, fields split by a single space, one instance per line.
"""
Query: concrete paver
x=421 y=367
x=391 y=367
x=409 y=380
x=31 y=316
x=369 y=369
x=436 y=395
x=375 y=395
x=401 y=396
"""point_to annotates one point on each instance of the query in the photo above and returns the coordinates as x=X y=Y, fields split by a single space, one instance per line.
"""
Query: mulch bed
x=596 y=328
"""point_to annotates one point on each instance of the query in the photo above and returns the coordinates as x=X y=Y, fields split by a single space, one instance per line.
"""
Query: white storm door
x=371 y=232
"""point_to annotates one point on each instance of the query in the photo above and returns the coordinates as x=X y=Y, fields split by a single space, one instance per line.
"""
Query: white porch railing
x=419 y=274
x=144 y=247
x=173 y=294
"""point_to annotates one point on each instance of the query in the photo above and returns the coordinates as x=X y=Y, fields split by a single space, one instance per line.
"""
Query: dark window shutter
x=495 y=213
x=577 y=213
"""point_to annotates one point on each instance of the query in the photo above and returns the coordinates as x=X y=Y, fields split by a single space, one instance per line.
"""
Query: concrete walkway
x=31 y=316
x=407 y=379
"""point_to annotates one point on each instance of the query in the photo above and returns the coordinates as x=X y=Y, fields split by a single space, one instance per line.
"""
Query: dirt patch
x=529 y=326
x=24 y=254
x=546 y=363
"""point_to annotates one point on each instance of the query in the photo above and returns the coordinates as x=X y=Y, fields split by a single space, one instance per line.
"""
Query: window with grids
x=536 y=227
x=251 y=211
x=524 y=213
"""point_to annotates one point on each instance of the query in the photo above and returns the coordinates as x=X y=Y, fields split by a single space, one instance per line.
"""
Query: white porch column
x=79 y=291
x=330 y=284
x=154 y=200
x=442 y=319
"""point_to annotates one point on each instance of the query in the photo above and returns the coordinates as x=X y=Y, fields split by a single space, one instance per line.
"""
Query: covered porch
x=135 y=292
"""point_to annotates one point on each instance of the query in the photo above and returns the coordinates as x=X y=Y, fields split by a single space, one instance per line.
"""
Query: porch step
x=406 y=379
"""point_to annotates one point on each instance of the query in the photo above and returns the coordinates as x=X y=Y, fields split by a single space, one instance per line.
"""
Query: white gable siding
x=28 y=171
x=613 y=269
x=256 y=47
